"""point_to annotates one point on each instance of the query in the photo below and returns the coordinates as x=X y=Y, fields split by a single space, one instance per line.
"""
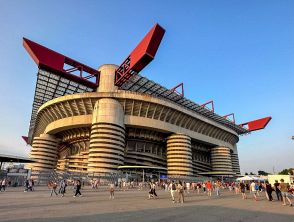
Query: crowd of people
x=283 y=190
x=178 y=189
x=53 y=185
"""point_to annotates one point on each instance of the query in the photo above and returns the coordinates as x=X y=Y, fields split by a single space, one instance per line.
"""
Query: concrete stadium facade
x=97 y=132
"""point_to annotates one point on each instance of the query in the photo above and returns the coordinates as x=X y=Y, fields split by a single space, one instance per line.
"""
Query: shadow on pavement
x=181 y=214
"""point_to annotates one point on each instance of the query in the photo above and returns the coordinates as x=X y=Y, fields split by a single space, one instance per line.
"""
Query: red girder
x=181 y=86
x=209 y=102
x=53 y=61
x=256 y=124
x=231 y=114
x=141 y=56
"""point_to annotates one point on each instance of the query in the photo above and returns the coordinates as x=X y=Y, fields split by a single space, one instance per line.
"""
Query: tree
x=251 y=173
x=262 y=173
x=246 y=173
x=286 y=172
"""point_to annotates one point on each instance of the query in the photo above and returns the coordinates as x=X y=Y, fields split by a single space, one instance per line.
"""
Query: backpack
x=174 y=187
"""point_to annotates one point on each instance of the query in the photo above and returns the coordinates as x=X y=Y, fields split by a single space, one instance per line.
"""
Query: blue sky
x=238 y=53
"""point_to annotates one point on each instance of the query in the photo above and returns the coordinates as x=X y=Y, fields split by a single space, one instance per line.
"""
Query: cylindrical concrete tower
x=179 y=155
x=221 y=160
x=107 y=141
x=44 y=153
x=235 y=161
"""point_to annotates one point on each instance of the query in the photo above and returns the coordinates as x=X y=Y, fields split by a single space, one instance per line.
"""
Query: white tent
x=257 y=178
x=246 y=178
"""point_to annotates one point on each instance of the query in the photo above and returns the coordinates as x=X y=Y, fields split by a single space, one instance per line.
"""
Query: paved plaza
x=133 y=205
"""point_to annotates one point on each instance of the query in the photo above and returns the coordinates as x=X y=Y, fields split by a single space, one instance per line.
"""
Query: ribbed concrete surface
x=221 y=159
x=235 y=163
x=107 y=141
x=179 y=155
x=44 y=152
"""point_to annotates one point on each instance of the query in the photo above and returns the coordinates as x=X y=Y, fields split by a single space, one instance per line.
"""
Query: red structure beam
x=141 y=56
x=256 y=124
x=53 y=61
x=209 y=102
x=181 y=86
x=231 y=114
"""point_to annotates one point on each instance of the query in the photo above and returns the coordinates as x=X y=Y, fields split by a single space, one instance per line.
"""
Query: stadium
x=112 y=119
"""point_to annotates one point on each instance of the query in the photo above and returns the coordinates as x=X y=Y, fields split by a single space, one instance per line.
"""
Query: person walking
x=152 y=192
x=3 y=184
x=26 y=185
x=180 y=189
x=32 y=185
x=204 y=187
x=284 y=187
x=209 y=188
x=243 y=190
x=254 y=189
x=277 y=190
x=78 y=188
x=188 y=187
x=153 y=186
x=52 y=186
x=269 y=190
x=198 y=186
x=173 y=190
x=111 y=191
x=62 y=188
x=217 y=187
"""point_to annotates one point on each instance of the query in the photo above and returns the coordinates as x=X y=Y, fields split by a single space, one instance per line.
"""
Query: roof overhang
x=15 y=159
x=217 y=173
x=142 y=167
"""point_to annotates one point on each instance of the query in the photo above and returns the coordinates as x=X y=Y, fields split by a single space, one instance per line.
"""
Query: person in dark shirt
x=78 y=188
x=277 y=190
x=269 y=190
x=243 y=189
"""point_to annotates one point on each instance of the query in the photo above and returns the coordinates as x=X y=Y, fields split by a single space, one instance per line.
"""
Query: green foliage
x=286 y=171
x=262 y=173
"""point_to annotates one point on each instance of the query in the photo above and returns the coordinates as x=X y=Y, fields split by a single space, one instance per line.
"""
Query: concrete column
x=221 y=159
x=107 y=141
x=44 y=153
x=179 y=155
x=235 y=161
x=107 y=75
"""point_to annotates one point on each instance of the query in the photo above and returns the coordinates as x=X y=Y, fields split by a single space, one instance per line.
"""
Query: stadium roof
x=141 y=84
x=51 y=85
x=15 y=159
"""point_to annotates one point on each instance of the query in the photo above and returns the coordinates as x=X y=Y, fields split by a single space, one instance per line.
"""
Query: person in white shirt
x=111 y=190
x=3 y=184
x=188 y=187
x=173 y=190
x=253 y=190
